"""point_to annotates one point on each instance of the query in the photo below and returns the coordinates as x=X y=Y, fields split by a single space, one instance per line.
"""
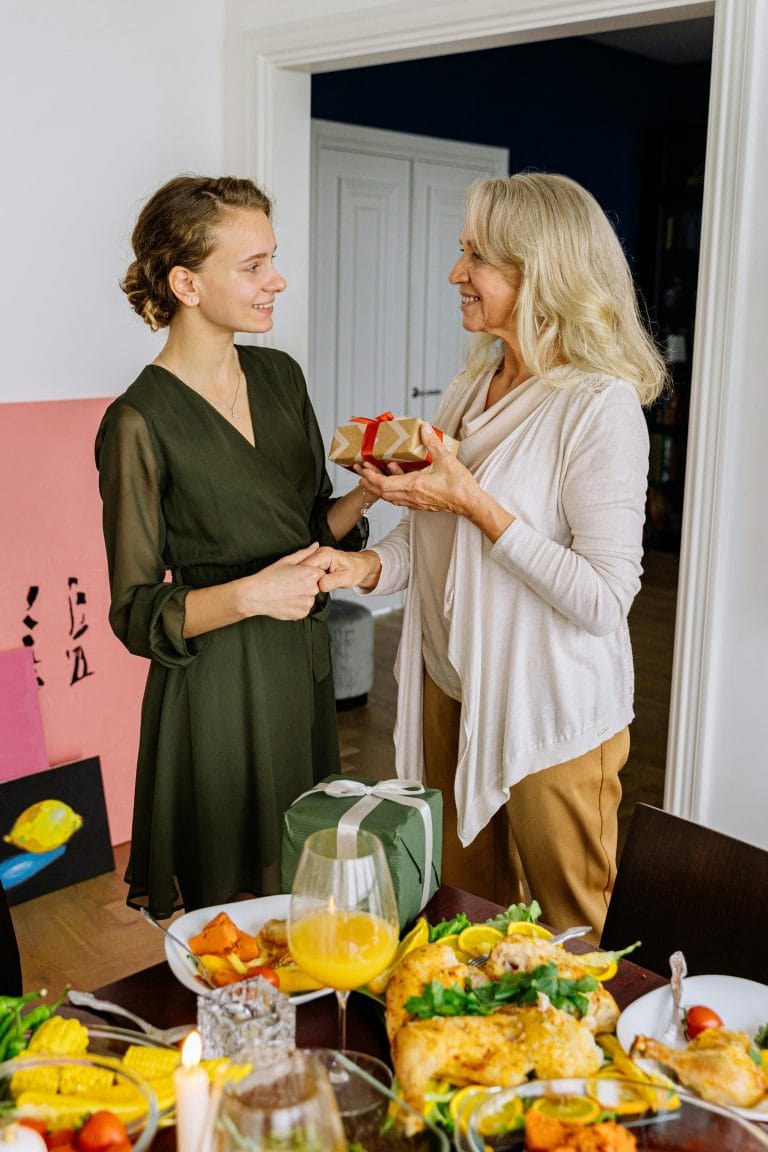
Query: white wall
x=733 y=785
x=101 y=101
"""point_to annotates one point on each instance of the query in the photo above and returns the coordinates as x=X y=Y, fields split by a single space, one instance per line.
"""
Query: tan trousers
x=555 y=839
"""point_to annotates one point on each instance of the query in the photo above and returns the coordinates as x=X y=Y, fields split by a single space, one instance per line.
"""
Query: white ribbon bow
x=400 y=792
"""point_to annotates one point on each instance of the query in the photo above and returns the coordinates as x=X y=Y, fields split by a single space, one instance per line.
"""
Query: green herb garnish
x=448 y=927
x=513 y=988
x=515 y=913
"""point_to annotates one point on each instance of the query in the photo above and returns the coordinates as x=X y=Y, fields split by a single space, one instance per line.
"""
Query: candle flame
x=191 y=1049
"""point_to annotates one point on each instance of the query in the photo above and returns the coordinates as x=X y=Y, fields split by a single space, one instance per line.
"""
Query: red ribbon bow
x=369 y=436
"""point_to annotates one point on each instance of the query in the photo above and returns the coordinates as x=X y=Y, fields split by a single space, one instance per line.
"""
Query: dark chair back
x=682 y=886
x=10 y=962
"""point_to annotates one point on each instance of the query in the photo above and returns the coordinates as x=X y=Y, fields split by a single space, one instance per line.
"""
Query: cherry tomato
x=38 y=1126
x=101 y=1130
x=266 y=974
x=60 y=1137
x=698 y=1019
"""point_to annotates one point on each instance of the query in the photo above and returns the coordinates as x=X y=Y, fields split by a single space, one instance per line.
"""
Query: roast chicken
x=502 y=1048
x=524 y=954
x=716 y=1065
x=430 y=962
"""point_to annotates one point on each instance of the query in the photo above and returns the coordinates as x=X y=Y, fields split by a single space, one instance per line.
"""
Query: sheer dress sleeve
x=146 y=613
x=355 y=539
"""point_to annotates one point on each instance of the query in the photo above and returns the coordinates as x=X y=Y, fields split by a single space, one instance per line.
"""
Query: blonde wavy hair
x=576 y=302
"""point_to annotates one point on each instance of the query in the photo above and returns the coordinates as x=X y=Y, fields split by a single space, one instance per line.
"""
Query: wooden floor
x=86 y=936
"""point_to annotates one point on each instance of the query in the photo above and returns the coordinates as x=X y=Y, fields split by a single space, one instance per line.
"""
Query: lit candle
x=190 y=1082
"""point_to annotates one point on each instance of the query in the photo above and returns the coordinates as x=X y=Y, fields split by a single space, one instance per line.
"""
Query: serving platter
x=671 y=1124
x=249 y=916
x=741 y=1004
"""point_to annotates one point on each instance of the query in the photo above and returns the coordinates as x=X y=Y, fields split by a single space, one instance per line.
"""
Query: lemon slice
x=478 y=939
x=418 y=936
x=460 y=1097
x=453 y=942
x=601 y=965
x=611 y=1071
x=528 y=928
x=622 y=1098
x=502 y=1119
x=568 y=1109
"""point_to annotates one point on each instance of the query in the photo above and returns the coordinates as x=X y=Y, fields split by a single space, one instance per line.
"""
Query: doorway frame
x=267 y=137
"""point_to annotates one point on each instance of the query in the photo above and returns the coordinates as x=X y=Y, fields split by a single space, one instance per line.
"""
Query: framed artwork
x=54 y=830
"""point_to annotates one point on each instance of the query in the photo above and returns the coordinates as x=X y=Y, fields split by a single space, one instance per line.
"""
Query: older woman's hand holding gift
x=445 y=486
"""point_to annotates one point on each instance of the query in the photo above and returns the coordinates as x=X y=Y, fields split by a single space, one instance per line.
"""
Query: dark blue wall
x=573 y=106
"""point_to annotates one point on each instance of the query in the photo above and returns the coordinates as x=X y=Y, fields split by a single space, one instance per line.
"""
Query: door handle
x=426 y=392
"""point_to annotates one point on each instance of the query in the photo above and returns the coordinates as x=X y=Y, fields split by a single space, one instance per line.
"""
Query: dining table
x=157 y=995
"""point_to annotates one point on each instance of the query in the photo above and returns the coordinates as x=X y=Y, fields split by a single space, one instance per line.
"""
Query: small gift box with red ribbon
x=382 y=440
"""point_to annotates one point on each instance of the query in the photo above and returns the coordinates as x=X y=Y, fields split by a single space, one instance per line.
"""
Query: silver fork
x=162 y=1035
x=567 y=934
x=181 y=946
x=679 y=970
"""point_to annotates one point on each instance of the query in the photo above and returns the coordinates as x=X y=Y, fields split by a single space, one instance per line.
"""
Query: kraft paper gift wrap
x=383 y=439
x=406 y=817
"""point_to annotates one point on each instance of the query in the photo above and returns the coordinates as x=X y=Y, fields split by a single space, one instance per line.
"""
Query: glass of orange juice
x=343 y=924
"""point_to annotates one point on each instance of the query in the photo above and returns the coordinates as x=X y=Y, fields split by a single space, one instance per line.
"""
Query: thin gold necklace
x=232 y=407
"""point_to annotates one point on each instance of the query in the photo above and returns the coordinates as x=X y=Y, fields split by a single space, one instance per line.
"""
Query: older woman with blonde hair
x=522 y=557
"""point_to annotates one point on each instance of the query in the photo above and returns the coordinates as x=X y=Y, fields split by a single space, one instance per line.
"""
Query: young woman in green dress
x=216 y=499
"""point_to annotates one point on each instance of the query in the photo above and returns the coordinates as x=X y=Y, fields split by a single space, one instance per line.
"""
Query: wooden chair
x=10 y=962
x=683 y=886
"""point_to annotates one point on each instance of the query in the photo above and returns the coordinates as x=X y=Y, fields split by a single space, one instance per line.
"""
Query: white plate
x=742 y=1005
x=249 y=915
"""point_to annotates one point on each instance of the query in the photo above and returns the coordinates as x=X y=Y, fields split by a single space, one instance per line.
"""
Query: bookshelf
x=671 y=294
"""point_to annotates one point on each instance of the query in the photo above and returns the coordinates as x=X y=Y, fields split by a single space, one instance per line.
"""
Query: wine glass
x=285 y=1102
x=343 y=924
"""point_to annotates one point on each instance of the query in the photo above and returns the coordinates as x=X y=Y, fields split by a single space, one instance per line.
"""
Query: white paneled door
x=387 y=210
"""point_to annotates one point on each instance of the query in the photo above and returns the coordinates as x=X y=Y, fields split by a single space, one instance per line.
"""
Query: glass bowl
x=129 y=1096
x=662 y=1119
x=374 y=1116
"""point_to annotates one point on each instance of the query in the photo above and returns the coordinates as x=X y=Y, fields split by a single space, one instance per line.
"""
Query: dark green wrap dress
x=238 y=722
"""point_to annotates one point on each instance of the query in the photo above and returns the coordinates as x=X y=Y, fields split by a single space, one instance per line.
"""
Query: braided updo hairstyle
x=175 y=227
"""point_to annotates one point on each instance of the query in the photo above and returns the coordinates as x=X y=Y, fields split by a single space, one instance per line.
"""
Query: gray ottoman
x=351 y=628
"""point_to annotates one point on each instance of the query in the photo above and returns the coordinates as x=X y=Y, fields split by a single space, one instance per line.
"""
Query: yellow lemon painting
x=43 y=826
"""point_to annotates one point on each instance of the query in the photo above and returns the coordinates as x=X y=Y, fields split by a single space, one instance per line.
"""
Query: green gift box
x=406 y=816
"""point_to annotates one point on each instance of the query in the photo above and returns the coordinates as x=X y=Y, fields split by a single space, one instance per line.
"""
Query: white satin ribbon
x=371 y=795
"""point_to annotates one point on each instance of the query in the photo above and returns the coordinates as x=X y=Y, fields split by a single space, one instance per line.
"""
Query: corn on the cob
x=125 y=1100
x=151 y=1063
x=43 y=1079
x=164 y=1089
x=60 y=1036
x=234 y=1071
x=81 y=1078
